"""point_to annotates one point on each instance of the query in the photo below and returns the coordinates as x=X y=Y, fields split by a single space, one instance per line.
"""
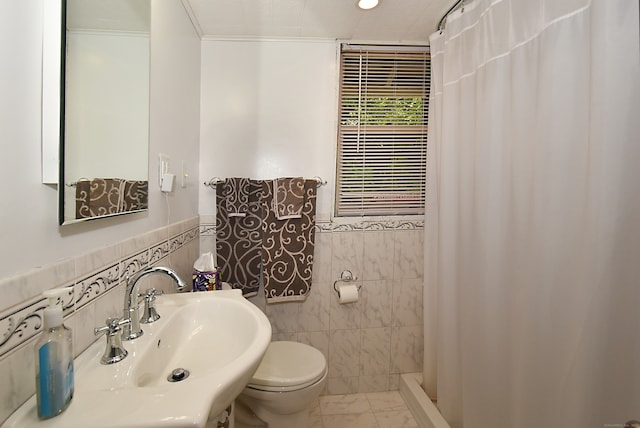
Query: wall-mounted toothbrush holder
x=347 y=293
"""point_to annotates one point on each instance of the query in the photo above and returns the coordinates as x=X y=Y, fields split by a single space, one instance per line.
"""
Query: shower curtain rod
x=443 y=20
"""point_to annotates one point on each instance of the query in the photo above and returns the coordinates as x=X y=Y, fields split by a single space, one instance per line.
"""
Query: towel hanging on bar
x=239 y=240
x=288 y=197
x=287 y=247
x=236 y=196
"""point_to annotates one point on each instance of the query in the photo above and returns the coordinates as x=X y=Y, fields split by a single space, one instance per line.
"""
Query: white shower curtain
x=532 y=238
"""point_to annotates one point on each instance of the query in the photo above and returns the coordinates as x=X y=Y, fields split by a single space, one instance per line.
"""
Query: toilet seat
x=289 y=366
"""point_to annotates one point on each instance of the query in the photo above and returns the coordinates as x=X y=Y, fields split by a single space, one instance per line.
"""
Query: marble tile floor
x=364 y=410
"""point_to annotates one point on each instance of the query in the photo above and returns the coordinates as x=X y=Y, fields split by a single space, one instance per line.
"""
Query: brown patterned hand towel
x=287 y=247
x=239 y=240
x=288 y=197
x=236 y=196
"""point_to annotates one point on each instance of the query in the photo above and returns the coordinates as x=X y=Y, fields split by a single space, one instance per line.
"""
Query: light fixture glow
x=367 y=4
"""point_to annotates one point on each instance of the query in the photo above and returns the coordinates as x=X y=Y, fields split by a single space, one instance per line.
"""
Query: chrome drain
x=178 y=374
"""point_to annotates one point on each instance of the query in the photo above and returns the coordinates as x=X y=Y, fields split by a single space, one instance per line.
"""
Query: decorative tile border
x=158 y=252
x=89 y=288
x=133 y=264
x=370 y=225
x=207 y=229
x=176 y=242
x=21 y=323
x=191 y=234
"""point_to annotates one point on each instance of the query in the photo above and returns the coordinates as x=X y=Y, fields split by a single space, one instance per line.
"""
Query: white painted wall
x=29 y=227
x=269 y=109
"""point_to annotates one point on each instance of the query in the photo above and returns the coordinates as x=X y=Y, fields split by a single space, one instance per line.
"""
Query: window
x=382 y=131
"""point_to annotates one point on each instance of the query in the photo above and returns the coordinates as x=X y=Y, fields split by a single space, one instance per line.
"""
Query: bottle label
x=46 y=382
x=54 y=381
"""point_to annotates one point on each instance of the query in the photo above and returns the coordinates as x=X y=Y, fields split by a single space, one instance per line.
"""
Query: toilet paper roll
x=347 y=293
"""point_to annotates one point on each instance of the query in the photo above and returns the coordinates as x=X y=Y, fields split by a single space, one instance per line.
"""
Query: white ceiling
x=391 y=21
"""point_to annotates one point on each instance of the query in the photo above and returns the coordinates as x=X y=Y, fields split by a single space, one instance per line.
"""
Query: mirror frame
x=63 y=79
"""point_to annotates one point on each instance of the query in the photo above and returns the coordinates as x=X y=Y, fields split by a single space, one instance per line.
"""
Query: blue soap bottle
x=54 y=359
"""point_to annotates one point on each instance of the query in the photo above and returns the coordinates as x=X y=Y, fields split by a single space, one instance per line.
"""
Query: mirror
x=104 y=143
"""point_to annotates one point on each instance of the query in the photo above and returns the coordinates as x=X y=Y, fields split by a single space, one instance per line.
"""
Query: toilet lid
x=289 y=364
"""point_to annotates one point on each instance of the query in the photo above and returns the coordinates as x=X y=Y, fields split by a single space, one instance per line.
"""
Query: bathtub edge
x=423 y=410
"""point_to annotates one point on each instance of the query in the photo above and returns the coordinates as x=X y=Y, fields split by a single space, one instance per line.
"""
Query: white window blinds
x=382 y=133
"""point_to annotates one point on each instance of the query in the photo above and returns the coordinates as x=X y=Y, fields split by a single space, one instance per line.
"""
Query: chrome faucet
x=132 y=329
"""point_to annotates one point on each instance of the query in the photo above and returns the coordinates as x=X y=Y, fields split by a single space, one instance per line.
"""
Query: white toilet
x=290 y=377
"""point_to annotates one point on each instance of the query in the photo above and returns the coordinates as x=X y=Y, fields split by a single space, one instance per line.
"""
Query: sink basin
x=218 y=337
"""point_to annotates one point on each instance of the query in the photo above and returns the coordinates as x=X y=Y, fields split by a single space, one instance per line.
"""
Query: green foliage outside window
x=383 y=111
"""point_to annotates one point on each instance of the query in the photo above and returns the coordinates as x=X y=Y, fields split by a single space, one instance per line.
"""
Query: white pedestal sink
x=218 y=336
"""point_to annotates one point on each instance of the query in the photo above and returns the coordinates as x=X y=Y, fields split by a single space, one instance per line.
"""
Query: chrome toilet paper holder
x=345 y=276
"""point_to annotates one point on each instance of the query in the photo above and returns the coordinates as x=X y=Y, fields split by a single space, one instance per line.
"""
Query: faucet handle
x=150 y=314
x=151 y=292
x=112 y=326
x=114 y=350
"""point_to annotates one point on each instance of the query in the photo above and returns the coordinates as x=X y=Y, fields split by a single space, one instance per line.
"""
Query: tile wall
x=97 y=280
x=368 y=343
